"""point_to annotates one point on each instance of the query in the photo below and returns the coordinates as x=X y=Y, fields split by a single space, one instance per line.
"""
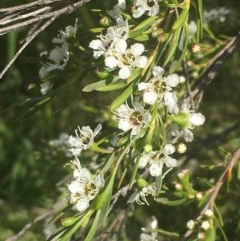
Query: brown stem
x=215 y=190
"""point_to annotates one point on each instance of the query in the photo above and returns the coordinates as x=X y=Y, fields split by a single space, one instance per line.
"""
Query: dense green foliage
x=33 y=177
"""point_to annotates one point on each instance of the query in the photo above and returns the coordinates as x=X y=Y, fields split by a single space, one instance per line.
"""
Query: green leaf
x=211 y=235
x=238 y=170
x=140 y=28
x=199 y=10
x=82 y=222
x=95 y=147
x=123 y=97
x=94 y=226
x=182 y=19
x=94 y=86
x=172 y=46
x=112 y=87
x=166 y=201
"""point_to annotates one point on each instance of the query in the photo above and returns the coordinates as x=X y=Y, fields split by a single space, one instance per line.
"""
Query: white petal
x=75 y=187
x=96 y=44
x=170 y=100
x=82 y=204
x=169 y=149
x=97 y=129
x=170 y=162
x=196 y=119
x=144 y=159
x=141 y=61
x=137 y=49
x=84 y=175
x=124 y=72
x=99 y=181
x=121 y=45
x=156 y=169
x=188 y=135
x=150 y=97
x=124 y=125
x=43 y=72
x=172 y=80
x=154 y=10
x=111 y=62
x=158 y=71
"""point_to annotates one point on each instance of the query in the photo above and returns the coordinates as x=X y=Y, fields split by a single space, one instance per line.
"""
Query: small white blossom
x=160 y=88
x=64 y=35
x=142 y=6
x=107 y=42
x=59 y=57
x=193 y=119
x=83 y=139
x=158 y=159
x=190 y=224
x=148 y=233
x=218 y=14
x=125 y=58
x=205 y=225
x=209 y=213
x=83 y=188
x=132 y=118
x=140 y=197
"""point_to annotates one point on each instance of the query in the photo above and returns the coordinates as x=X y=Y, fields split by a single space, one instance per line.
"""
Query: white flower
x=159 y=88
x=140 y=197
x=192 y=29
x=107 y=42
x=142 y=6
x=45 y=87
x=205 y=225
x=125 y=58
x=192 y=119
x=83 y=139
x=132 y=118
x=84 y=188
x=64 y=35
x=190 y=224
x=209 y=213
x=158 y=159
x=59 y=57
x=150 y=236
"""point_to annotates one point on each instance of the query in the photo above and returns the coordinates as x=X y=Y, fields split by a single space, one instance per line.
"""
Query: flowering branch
x=226 y=176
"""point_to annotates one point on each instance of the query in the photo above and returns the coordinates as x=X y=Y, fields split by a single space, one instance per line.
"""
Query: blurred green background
x=29 y=174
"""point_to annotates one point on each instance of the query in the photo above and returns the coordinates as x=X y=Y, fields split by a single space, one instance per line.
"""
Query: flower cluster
x=83 y=139
x=83 y=188
x=157 y=160
x=218 y=14
x=160 y=88
x=114 y=47
x=57 y=57
x=142 y=6
x=132 y=118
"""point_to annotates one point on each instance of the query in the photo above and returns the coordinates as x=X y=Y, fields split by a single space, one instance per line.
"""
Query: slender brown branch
x=215 y=190
x=211 y=72
x=28 y=40
x=29 y=225
x=26 y=17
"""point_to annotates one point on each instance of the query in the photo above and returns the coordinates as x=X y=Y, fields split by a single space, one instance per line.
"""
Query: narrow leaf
x=123 y=97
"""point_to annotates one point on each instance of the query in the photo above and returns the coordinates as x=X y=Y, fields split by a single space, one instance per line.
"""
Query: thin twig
x=25 y=45
x=27 y=15
x=65 y=10
x=29 y=225
x=35 y=17
x=215 y=190
x=211 y=72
